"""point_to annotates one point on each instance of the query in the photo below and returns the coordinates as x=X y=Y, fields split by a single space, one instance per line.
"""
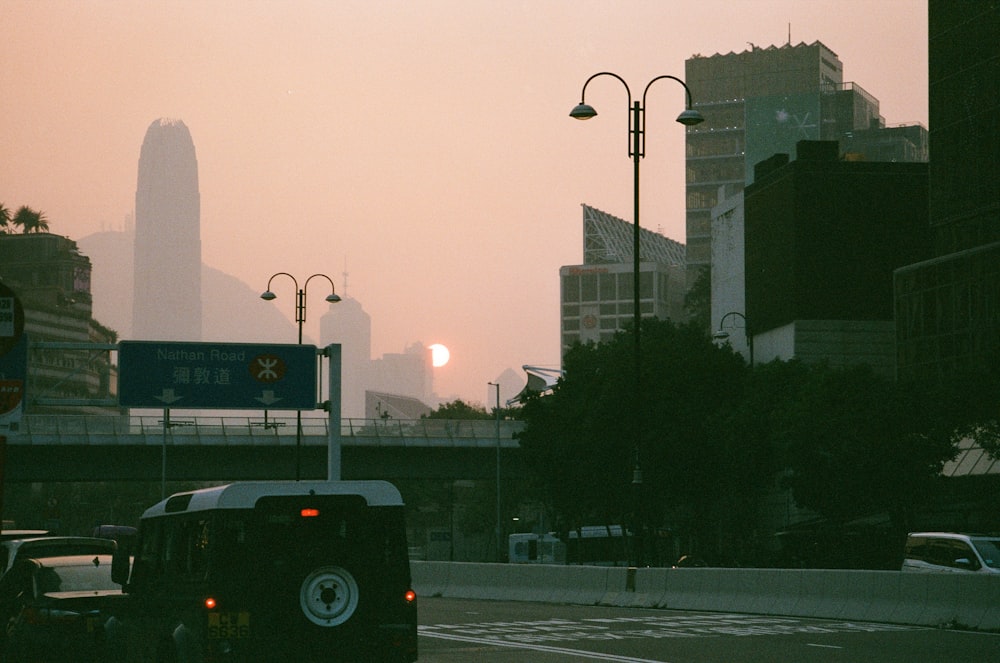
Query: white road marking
x=543 y=648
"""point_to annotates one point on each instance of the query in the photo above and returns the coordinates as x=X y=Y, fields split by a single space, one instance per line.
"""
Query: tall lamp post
x=636 y=150
x=300 y=317
x=722 y=334
x=499 y=529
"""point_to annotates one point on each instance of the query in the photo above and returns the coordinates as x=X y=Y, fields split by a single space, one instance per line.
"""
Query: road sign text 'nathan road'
x=243 y=376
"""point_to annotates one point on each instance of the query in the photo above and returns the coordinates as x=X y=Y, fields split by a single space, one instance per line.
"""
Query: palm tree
x=30 y=221
x=4 y=218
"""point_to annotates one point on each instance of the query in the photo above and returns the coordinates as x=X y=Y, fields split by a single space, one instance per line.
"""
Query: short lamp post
x=723 y=335
x=637 y=146
x=300 y=317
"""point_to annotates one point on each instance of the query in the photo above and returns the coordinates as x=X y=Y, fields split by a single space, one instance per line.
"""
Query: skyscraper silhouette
x=167 y=291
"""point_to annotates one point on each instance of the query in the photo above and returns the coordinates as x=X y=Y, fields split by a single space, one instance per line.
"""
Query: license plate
x=229 y=625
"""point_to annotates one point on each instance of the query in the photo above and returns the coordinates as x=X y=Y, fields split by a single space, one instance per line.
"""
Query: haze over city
x=422 y=148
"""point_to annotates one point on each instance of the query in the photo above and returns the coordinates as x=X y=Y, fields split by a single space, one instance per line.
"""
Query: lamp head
x=267 y=295
x=720 y=335
x=333 y=298
x=582 y=111
x=690 y=117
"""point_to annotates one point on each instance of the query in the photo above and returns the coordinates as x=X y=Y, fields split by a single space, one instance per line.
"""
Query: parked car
x=23 y=534
x=54 y=608
x=690 y=562
x=12 y=550
x=951 y=552
x=120 y=534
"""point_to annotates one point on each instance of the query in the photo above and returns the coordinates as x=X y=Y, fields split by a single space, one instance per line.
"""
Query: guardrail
x=42 y=429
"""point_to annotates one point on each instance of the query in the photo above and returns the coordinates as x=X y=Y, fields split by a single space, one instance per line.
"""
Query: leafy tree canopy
x=29 y=220
x=583 y=441
x=698 y=300
x=459 y=409
x=710 y=435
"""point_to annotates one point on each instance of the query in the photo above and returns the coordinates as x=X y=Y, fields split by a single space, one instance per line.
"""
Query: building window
x=607 y=287
x=571 y=288
x=624 y=286
x=588 y=288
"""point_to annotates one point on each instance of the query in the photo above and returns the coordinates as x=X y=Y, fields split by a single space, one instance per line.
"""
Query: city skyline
x=423 y=149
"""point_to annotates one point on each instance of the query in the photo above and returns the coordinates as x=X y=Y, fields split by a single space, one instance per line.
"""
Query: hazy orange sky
x=424 y=147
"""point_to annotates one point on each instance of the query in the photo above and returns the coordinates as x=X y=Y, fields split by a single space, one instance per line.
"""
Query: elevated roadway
x=207 y=448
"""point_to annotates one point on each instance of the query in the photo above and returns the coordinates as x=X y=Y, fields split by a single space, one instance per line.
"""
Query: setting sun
x=439 y=355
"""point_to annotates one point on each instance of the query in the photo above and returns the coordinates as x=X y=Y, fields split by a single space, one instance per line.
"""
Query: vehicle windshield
x=989 y=550
x=75 y=578
x=65 y=548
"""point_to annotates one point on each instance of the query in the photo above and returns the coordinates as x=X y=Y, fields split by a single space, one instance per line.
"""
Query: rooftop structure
x=597 y=296
x=761 y=102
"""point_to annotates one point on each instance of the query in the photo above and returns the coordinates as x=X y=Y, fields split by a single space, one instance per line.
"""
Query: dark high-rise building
x=822 y=237
x=167 y=290
x=948 y=307
x=762 y=102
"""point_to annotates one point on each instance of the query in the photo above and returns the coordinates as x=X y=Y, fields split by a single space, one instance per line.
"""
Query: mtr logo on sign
x=267 y=368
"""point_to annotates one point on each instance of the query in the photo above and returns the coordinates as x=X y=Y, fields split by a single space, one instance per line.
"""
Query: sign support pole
x=3 y=467
x=333 y=413
x=163 y=454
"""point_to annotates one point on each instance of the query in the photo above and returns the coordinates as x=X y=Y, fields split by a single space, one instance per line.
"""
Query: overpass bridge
x=126 y=447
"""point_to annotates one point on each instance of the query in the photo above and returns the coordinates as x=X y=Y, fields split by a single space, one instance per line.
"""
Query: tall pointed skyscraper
x=167 y=292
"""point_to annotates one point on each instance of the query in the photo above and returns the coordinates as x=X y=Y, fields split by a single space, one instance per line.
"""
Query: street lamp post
x=722 y=334
x=637 y=146
x=300 y=317
x=499 y=529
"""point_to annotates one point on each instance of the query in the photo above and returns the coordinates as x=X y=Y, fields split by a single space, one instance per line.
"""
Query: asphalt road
x=459 y=631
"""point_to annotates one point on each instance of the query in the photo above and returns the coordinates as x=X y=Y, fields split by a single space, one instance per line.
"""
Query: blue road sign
x=238 y=376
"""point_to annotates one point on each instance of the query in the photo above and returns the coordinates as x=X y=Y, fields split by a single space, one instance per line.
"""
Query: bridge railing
x=55 y=429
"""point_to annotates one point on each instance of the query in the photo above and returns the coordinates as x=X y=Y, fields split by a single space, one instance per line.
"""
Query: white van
x=952 y=553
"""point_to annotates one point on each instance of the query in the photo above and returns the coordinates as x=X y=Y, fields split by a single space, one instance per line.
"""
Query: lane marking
x=812 y=644
x=542 y=648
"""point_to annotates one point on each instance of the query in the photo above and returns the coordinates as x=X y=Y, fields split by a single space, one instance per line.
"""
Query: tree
x=714 y=435
x=858 y=444
x=4 y=218
x=30 y=221
x=459 y=409
x=581 y=441
x=698 y=300
x=974 y=399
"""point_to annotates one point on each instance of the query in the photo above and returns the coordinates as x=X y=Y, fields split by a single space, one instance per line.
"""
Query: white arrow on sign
x=168 y=397
x=268 y=398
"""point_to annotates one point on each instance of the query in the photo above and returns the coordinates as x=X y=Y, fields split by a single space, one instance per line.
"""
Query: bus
x=598 y=545
x=268 y=571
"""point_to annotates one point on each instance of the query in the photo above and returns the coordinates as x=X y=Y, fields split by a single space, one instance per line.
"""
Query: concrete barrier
x=430 y=578
x=584 y=585
x=962 y=600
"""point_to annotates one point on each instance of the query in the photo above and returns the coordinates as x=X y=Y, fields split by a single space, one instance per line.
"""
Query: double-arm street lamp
x=723 y=335
x=636 y=150
x=300 y=317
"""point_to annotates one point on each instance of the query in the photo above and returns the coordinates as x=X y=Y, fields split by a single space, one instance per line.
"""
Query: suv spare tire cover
x=329 y=596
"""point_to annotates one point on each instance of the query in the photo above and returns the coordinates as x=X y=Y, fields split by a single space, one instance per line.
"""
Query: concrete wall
x=925 y=599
